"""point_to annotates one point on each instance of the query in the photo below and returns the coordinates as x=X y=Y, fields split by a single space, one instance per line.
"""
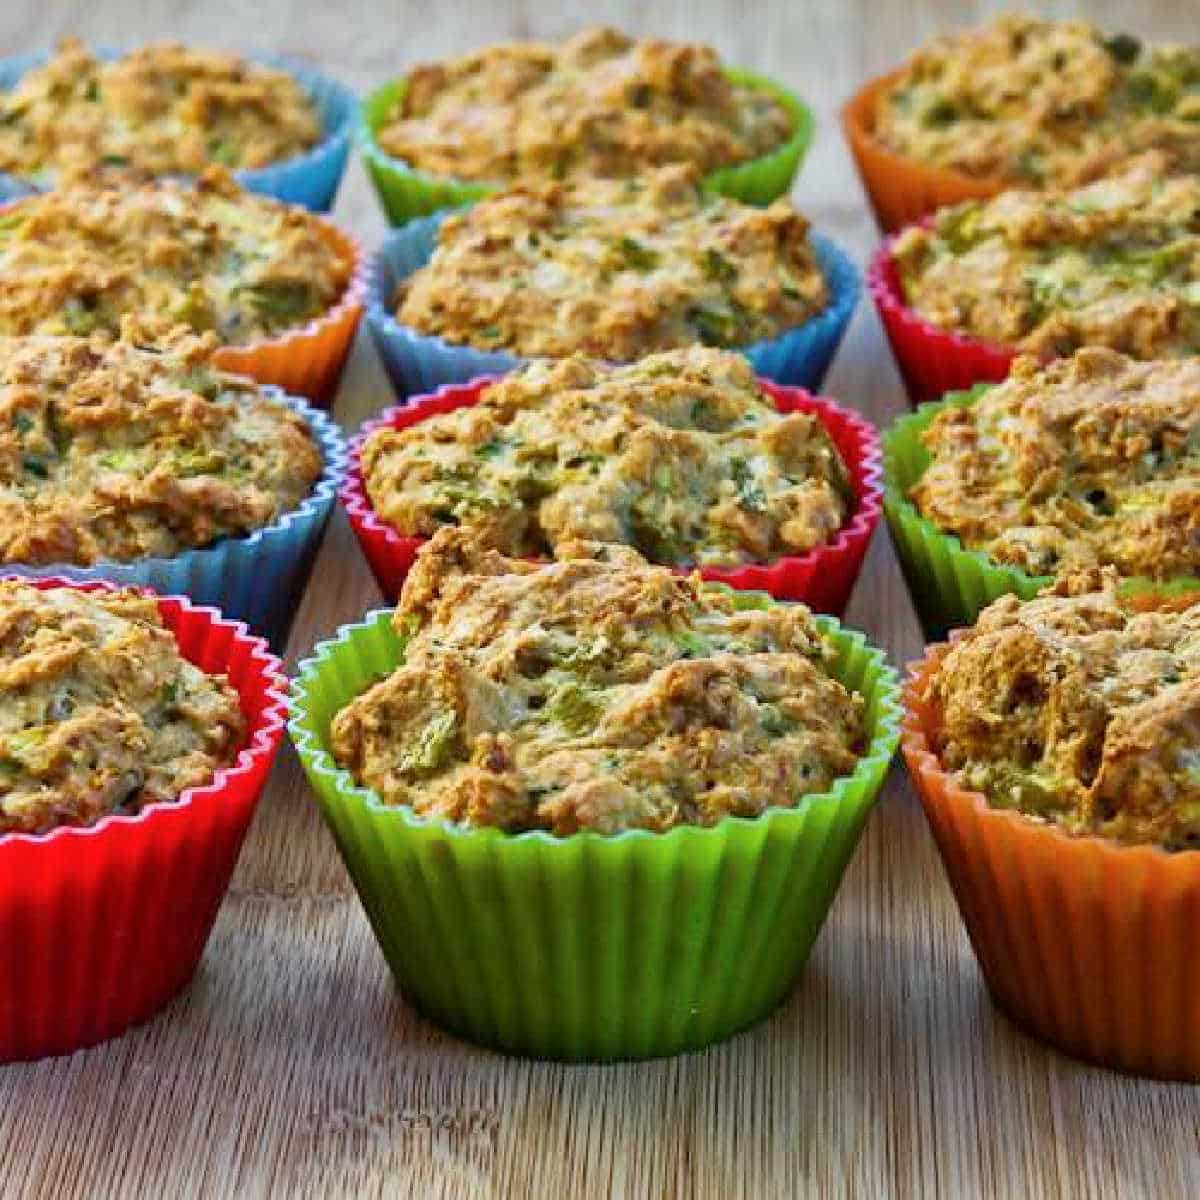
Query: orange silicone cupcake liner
x=308 y=361
x=902 y=190
x=1091 y=945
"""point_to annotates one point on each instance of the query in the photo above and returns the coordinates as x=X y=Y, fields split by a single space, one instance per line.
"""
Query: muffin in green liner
x=407 y=193
x=949 y=584
x=632 y=945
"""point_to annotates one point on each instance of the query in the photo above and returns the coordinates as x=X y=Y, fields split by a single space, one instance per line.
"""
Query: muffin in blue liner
x=257 y=579
x=310 y=179
x=417 y=363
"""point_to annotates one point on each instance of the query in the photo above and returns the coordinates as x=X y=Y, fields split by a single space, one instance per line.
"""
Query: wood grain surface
x=292 y=1067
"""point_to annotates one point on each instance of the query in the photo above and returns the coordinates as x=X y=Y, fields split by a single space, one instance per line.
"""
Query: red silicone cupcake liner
x=1091 y=945
x=100 y=926
x=823 y=578
x=932 y=361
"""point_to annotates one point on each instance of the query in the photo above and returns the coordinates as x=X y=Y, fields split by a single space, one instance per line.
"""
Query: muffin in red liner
x=822 y=578
x=101 y=925
x=932 y=360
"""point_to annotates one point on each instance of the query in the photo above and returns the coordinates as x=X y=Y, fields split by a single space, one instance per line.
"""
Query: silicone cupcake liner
x=307 y=360
x=590 y=947
x=310 y=179
x=950 y=585
x=932 y=361
x=418 y=363
x=902 y=190
x=1088 y=944
x=822 y=578
x=406 y=192
x=101 y=926
x=258 y=578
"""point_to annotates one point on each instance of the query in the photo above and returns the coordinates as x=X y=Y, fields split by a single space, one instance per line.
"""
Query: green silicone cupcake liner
x=951 y=585
x=590 y=947
x=406 y=192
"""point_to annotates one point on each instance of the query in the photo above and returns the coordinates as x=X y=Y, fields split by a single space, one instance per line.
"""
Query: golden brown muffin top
x=615 y=269
x=679 y=455
x=599 y=104
x=596 y=692
x=1043 y=103
x=207 y=255
x=162 y=109
x=1113 y=264
x=111 y=451
x=1079 y=709
x=1090 y=461
x=99 y=711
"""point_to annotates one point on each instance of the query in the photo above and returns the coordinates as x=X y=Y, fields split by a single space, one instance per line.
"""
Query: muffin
x=599 y=104
x=1023 y=102
x=136 y=732
x=594 y=693
x=578 y=798
x=680 y=455
x=161 y=109
x=109 y=451
x=1116 y=263
x=1054 y=746
x=1090 y=461
x=614 y=269
x=100 y=712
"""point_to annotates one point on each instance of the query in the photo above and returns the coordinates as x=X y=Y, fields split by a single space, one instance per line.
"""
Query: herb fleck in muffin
x=108 y=451
x=209 y=256
x=1043 y=103
x=1081 y=710
x=99 y=712
x=679 y=455
x=1113 y=264
x=597 y=692
x=616 y=270
x=1093 y=460
x=601 y=104
x=163 y=109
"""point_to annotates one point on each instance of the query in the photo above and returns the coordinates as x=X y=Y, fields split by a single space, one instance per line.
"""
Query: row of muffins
x=430 y=751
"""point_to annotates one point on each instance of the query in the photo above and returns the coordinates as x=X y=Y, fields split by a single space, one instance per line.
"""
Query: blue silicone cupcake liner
x=310 y=179
x=418 y=362
x=258 y=578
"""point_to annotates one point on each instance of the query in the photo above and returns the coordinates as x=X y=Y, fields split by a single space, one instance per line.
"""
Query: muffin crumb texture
x=600 y=104
x=680 y=456
x=1080 y=708
x=99 y=712
x=615 y=269
x=1116 y=264
x=113 y=452
x=595 y=693
x=161 y=109
x=1090 y=461
x=207 y=255
x=1043 y=103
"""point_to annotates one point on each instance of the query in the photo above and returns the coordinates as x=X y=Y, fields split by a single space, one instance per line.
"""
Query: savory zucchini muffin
x=1092 y=460
x=1043 y=103
x=597 y=692
x=99 y=712
x=600 y=104
x=207 y=255
x=163 y=109
x=113 y=452
x=1113 y=264
x=615 y=269
x=1079 y=709
x=680 y=456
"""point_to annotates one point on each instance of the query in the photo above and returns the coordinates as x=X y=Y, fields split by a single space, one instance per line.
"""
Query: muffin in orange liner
x=901 y=189
x=308 y=361
x=1092 y=945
